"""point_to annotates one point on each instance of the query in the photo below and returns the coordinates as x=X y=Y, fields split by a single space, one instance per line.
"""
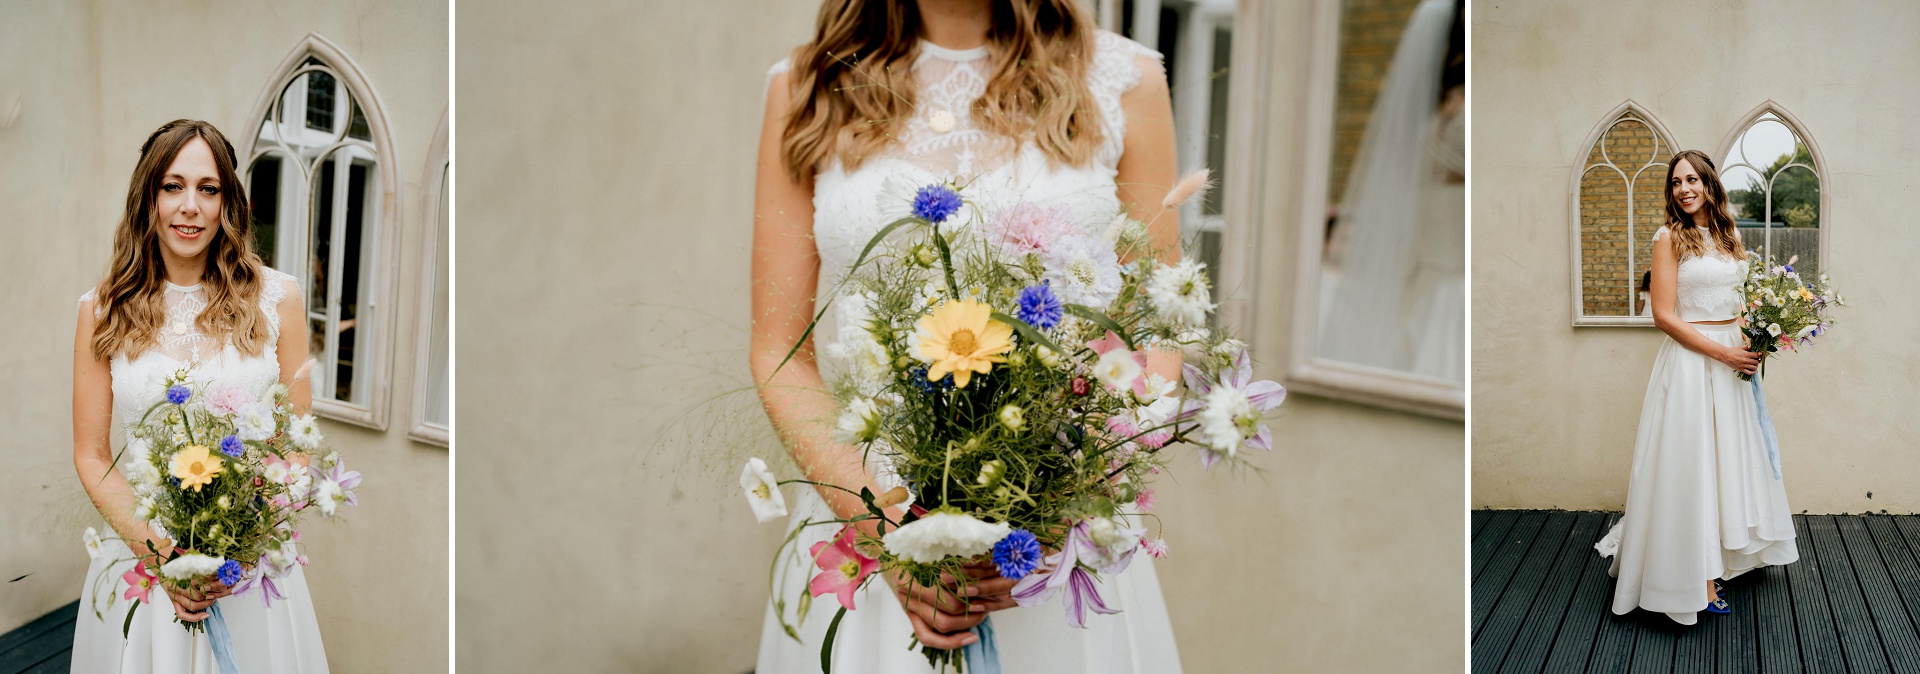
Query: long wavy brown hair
x=853 y=84
x=1688 y=241
x=129 y=304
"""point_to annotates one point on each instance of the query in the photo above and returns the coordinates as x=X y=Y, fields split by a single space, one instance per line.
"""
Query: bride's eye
x=210 y=190
x=171 y=187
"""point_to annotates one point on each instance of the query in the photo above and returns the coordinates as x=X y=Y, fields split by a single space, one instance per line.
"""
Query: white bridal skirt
x=874 y=637
x=1703 y=502
x=284 y=639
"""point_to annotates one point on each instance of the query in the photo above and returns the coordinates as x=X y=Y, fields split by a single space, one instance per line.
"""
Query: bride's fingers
x=940 y=597
x=931 y=637
x=990 y=587
x=941 y=620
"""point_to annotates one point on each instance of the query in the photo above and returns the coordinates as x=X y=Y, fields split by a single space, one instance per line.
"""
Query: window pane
x=263 y=195
x=1622 y=204
x=320 y=98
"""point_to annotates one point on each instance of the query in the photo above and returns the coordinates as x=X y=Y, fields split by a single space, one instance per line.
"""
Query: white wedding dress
x=1705 y=500
x=849 y=210
x=284 y=639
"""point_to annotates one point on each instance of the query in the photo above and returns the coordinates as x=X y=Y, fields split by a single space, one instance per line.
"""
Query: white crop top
x=1708 y=287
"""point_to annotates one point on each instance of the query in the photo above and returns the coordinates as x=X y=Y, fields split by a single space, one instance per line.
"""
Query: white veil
x=1380 y=209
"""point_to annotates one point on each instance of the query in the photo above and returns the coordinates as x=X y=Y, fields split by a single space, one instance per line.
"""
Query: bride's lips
x=188 y=232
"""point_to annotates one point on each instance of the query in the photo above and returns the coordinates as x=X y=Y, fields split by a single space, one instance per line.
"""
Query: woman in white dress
x=184 y=290
x=1029 y=101
x=1706 y=500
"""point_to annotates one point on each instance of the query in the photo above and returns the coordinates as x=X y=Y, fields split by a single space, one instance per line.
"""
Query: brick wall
x=1369 y=33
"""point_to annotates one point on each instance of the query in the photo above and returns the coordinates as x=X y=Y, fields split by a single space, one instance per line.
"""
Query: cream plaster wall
x=98 y=77
x=1555 y=407
x=605 y=213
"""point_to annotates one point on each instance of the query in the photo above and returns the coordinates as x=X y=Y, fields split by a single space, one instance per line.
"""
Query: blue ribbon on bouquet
x=1766 y=428
x=222 y=641
x=982 y=657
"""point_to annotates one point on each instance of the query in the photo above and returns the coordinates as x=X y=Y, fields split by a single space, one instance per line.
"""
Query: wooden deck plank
x=1737 y=652
x=1654 y=644
x=1512 y=548
x=1889 y=613
x=1548 y=615
x=1480 y=519
x=1495 y=636
x=1903 y=566
x=1693 y=648
x=1573 y=646
x=1613 y=646
x=1858 y=641
x=1489 y=539
x=44 y=639
x=1812 y=616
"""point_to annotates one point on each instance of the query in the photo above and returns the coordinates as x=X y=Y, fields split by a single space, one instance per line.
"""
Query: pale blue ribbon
x=982 y=657
x=1766 y=428
x=222 y=641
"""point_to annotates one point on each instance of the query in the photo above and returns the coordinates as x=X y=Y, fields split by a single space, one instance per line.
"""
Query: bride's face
x=1687 y=190
x=188 y=204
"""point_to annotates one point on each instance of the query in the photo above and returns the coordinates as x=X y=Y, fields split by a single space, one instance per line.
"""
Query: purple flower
x=230 y=573
x=935 y=203
x=231 y=446
x=178 y=393
x=1236 y=386
x=1017 y=555
x=1082 y=591
x=260 y=579
x=1039 y=307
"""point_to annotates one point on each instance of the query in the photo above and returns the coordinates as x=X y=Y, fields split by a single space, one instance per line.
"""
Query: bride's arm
x=93 y=452
x=1147 y=172
x=1663 y=289
x=786 y=271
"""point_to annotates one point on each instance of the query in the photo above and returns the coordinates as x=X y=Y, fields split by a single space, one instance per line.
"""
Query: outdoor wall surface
x=604 y=246
x=1555 y=407
x=96 y=79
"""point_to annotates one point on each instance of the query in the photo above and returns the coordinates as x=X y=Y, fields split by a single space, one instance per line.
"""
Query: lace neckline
x=183 y=289
x=929 y=49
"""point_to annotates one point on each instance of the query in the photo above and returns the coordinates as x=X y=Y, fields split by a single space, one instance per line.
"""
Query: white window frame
x=1306 y=371
x=1622 y=112
x=433 y=185
x=373 y=342
x=1819 y=167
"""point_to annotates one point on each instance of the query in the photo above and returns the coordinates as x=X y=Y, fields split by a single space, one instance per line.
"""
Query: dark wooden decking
x=1541 y=598
x=44 y=646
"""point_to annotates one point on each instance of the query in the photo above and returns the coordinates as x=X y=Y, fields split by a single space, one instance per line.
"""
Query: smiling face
x=1686 y=188
x=187 y=205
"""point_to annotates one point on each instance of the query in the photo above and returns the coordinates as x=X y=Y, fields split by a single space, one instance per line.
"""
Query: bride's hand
x=989 y=588
x=1741 y=360
x=940 y=618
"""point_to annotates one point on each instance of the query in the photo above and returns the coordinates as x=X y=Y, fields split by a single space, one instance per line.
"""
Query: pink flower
x=842 y=568
x=1156 y=548
x=227 y=400
x=140 y=583
x=1025 y=228
x=1144 y=500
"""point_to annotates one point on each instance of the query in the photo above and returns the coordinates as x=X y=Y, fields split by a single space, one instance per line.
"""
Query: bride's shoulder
x=1660 y=233
x=1122 y=62
x=276 y=286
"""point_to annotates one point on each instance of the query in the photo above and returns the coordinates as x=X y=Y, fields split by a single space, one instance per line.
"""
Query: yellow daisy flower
x=195 y=466
x=961 y=338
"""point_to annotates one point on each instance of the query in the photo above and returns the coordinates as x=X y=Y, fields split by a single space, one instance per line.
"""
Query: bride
x=1030 y=102
x=185 y=290
x=1705 y=501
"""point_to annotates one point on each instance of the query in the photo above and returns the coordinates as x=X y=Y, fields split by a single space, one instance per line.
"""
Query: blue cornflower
x=935 y=203
x=178 y=393
x=919 y=377
x=230 y=573
x=231 y=446
x=1017 y=554
x=1039 y=307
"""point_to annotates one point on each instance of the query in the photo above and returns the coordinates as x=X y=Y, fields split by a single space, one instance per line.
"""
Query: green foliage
x=1796 y=191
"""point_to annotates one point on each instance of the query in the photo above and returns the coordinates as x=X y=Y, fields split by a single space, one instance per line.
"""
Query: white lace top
x=942 y=141
x=139 y=383
x=1708 y=287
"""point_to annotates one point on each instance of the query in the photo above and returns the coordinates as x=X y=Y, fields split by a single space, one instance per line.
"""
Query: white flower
x=1807 y=332
x=92 y=540
x=328 y=461
x=254 y=422
x=190 y=566
x=278 y=471
x=299 y=482
x=1157 y=388
x=1013 y=417
x=1113 y=542
x=1181 y=293
x=283 y=555
x=859 y=422
x=940 y=535
x=1117 y=369
x=1220 y=419
x=867 y=362
x=1773 y=329
x=328 y=495
x=763 y=492
x=1084 y=271
x=146 y=509
x=159 y=529
x=306 y=432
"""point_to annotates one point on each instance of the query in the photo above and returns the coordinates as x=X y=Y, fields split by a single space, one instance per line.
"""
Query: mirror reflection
x=1393 y=284
x=1773 y=191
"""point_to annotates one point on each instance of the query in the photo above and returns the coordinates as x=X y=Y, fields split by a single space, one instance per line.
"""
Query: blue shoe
x=1719 y=605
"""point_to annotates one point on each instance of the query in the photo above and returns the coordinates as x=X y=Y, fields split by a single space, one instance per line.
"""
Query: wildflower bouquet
x=998 y=363
x=1782 y=308
x=213 y=469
